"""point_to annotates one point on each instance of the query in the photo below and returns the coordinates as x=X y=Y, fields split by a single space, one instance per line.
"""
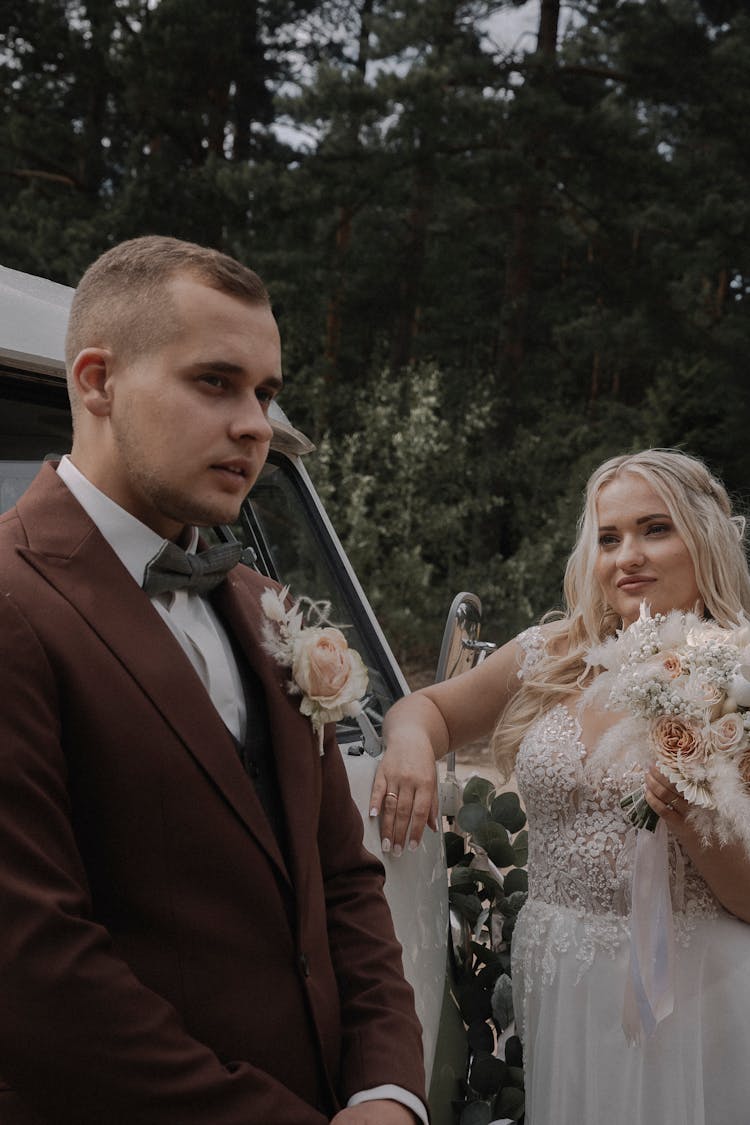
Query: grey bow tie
x=171 y=568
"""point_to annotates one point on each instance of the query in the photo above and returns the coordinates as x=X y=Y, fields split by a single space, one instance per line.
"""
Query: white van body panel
x=33 y=319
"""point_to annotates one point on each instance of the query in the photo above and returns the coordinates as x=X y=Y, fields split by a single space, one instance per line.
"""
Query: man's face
x=188 y=431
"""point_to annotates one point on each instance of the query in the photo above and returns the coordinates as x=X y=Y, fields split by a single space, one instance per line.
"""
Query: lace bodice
x=579 y=837
x=581 y=845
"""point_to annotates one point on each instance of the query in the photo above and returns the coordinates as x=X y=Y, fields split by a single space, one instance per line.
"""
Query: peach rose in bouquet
x=728 y=733
x=682 y=753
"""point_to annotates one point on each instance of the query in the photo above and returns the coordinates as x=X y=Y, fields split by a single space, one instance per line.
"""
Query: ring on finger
x=390 y=793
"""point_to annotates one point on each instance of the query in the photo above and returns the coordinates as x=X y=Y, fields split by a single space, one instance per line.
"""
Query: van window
x=283 y=524
x=34 y=424
x=281 y=521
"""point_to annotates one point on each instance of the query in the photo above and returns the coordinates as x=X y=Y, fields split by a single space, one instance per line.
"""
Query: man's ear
x=92 y=377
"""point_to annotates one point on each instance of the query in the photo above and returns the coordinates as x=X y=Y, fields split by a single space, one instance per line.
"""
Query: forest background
x=493 y=265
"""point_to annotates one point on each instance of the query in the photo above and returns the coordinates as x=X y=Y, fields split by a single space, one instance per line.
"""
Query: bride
x=656 y=527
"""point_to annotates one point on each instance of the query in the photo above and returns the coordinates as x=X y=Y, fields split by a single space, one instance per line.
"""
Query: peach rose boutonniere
x=330 y=677
x=690 y=680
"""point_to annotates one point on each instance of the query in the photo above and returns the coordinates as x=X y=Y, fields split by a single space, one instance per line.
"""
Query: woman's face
x=640 y=556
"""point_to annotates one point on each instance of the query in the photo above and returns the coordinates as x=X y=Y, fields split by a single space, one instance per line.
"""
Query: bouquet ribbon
x=649 y=987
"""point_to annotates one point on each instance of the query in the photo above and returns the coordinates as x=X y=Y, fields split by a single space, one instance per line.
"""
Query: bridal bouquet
x=330 y=677
x=690 y=680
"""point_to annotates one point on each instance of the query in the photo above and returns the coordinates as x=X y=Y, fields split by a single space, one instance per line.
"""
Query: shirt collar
x=133 y=543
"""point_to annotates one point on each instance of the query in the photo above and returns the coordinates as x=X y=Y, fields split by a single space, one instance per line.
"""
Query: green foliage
x=415 y=527
x=487 y=900
x=496 y=267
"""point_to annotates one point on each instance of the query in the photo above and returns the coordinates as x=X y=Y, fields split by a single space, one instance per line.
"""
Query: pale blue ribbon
x=649 y=988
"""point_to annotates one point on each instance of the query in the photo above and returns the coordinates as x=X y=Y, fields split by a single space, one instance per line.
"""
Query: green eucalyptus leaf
x=488 y=831
x=516 y=880
x=474 y=1002
x=500 y=853
x=489 y=974
x=487 y=1075
x=477 y=789
x=514 y=1077
x=489 y=882
x=463 y=877
x=494 y=839
x=484 y=954
x=506 y=810
x=509 y=1103
x=509 y=925
x=515 y=901
x=502 y=1002
x=476 y=1113
x=468 y=906
x=472 y=817
x=513 y=1052
x=510 y=905
x=454 y=848
x=521 y=848
x=480 y=1037
x=504 y=959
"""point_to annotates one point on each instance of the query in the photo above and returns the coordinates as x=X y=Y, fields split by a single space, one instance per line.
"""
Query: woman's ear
x=91 y=377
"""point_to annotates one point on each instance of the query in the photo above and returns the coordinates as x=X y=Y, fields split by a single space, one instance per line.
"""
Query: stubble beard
x=168 y=499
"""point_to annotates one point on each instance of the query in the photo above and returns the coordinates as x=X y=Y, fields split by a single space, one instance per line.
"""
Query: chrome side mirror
x=461 y=650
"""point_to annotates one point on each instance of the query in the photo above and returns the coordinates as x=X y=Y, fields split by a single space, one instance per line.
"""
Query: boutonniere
x=330 y=676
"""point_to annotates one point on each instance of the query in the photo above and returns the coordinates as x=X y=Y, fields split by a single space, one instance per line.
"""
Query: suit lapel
x=295 y=747
x=66 y=549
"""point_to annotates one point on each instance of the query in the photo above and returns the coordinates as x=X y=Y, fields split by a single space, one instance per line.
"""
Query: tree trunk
x=519 y=268
x=343 y=234
x=405 y=331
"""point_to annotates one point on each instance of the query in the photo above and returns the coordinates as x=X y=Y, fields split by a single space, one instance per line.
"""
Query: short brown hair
x=122 y=301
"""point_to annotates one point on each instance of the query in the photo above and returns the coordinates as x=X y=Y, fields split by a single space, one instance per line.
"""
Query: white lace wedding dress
x=571 y=950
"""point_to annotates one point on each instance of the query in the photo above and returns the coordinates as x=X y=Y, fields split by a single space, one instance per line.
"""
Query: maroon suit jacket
x=150 y=973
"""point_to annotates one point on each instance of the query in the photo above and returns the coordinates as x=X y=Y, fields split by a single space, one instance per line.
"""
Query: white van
x=284 y=523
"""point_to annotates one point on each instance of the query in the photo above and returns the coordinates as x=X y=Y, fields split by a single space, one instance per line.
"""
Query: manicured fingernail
x=373 y=811
x=397 y=849
x=413 y=845
x=385 y=844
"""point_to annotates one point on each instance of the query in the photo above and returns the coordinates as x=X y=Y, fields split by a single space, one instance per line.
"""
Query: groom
x=190 y=930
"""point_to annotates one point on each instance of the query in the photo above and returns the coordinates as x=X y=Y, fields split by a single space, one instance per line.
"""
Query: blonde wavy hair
x=702 y=513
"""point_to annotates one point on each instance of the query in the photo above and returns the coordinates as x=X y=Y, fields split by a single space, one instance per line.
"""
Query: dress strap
x=534 y=647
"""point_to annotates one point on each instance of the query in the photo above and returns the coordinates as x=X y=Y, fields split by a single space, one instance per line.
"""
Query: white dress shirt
x=193 y=622
x=190 y=618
